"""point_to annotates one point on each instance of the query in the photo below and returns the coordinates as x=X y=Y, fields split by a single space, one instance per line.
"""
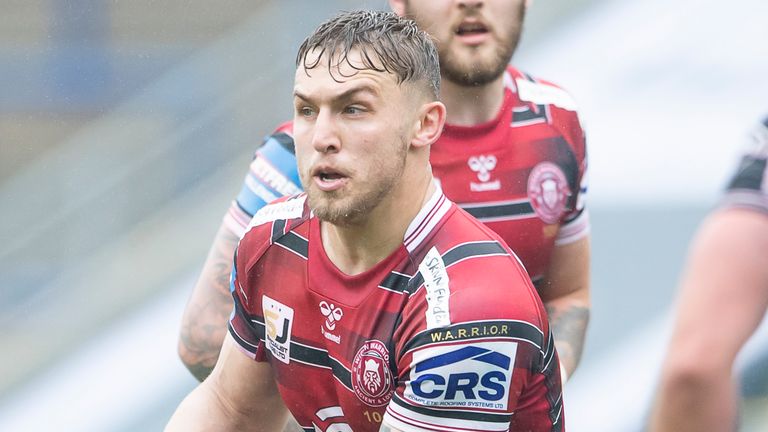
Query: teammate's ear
x=398 y=6
x=429 y=125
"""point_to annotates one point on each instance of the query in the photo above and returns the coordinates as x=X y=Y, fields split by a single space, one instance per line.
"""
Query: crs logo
x=477 y=375
x=482 y=165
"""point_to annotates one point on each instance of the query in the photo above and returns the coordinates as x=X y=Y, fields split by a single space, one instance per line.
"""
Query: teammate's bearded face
x=350 y=142
x=475 y=38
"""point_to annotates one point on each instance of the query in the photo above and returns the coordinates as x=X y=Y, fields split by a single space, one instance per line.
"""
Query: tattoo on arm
x=569 y=326
x=205 y=319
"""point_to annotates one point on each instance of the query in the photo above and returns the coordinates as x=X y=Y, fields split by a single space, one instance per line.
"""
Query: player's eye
x=306 y=111
x=353 y=109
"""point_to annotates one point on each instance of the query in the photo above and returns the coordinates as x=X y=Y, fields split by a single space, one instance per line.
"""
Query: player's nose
x=470 y=4
x=325 y=136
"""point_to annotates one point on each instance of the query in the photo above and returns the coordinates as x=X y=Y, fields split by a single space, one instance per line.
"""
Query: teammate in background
x=723 y=298
x=372 y=302
x=512 y=154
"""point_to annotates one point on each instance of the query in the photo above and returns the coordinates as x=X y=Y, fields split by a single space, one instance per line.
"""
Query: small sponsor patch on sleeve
x=544 y=94
x=468 y=375
x=283 y=210
x=438 y=291
x=278 y=320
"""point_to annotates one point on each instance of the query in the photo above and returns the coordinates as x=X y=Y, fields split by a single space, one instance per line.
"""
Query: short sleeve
x=246 y=324
x=576 y=224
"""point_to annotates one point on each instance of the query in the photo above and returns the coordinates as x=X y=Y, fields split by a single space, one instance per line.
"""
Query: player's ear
x=429 y=124
x=398 y=6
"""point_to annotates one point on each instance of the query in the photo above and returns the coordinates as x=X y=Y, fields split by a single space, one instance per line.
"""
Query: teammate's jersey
x=523 y=173
x=749 y=186
x=431 y=338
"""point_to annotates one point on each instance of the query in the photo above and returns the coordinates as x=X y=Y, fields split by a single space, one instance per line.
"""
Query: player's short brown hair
x=386 y=41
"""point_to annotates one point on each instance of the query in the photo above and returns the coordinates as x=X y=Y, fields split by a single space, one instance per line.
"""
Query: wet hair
x=386 y=42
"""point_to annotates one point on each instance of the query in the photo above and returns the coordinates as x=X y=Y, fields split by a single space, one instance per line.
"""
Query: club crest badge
x=371 y=377
x=548 y=191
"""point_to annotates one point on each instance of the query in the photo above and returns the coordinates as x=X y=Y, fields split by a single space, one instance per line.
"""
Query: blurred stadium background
x=126 y=128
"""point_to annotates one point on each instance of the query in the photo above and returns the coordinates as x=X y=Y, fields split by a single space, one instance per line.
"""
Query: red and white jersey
x=524 y=173
x=749 y=186
x=431 y=338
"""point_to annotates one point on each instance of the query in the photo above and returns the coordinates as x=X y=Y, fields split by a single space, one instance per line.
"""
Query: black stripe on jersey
x=453 y=413
x=556 y=413
x=285 y=140
x=528 y=76
x=240 y=341
x=573 y=217
x=458 y=253
x=750 y=174
x=554 y=397
x=295 y=243
x=341 y=373
x=278 y=229
x=257 y=324
x=318 y=357
x=528 y=116
x=471 y=250
x=310 y=355
x=500 y=210
x=517 y=330
x=549 y=353
x=554 y=393
x=395 y=282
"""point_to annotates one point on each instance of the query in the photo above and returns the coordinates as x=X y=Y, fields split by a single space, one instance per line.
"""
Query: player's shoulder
x=276 y=219
x=473 y=296
x=482 y=274
x=539 y=91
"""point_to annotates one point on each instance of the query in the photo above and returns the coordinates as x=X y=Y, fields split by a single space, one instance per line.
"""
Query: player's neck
x=470 y=106
x=357 y=248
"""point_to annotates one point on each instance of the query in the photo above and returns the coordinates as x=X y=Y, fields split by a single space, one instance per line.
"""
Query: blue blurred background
x=126 y=128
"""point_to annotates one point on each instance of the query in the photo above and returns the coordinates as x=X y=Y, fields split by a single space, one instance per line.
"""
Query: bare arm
x=565 y=293
x=723 y=297
x=204 y=322
x=239 y=395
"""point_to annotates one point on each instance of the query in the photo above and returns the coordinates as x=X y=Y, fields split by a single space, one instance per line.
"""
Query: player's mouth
x=329 y=179
x=472 y=32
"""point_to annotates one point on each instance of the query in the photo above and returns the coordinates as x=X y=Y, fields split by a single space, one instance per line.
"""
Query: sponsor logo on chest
x=333 y=315
x=483 y=165
x=278 y=319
